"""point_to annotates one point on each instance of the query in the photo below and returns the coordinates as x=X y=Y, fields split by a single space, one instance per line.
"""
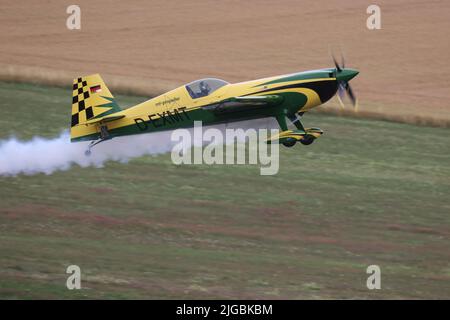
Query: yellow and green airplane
x=96 y=116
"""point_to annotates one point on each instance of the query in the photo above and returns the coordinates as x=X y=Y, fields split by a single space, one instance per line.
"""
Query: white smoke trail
x=42 y=155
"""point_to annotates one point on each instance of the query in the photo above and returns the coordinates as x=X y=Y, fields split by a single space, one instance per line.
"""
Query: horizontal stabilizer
x=103 y=119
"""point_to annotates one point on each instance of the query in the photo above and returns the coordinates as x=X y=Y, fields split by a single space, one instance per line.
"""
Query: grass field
x=367 y=192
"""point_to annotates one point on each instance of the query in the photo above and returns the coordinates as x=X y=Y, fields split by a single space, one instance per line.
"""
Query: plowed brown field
x=150 y=46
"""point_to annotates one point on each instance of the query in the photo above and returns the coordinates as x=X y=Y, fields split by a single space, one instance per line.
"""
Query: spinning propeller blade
x=343 y=76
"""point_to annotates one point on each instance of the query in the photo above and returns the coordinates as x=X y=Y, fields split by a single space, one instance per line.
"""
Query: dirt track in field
x=150 y=46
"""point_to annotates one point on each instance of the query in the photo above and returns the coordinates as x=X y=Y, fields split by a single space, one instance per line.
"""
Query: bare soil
x=151 y=46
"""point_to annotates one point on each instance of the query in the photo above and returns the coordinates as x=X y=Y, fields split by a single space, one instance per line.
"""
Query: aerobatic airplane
x=96 y=116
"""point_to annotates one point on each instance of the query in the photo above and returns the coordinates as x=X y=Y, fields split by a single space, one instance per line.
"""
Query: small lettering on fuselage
x=172 y=100
x=158 y=120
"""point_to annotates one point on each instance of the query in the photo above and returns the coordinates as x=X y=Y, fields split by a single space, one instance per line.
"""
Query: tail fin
x=91 y=99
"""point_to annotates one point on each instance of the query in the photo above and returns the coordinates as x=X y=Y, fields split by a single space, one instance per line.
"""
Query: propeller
x=343 y=76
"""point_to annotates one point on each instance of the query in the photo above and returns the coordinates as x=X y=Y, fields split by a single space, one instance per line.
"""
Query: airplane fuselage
x=179 y=108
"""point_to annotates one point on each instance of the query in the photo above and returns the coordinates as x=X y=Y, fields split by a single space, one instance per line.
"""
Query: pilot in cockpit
x=204 y=89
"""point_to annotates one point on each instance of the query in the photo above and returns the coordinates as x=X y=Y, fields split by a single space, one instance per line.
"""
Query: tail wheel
x=307 y=140
x=290 y=142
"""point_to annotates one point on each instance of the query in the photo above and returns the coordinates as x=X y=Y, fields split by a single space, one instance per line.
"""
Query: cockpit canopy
x=204 y=87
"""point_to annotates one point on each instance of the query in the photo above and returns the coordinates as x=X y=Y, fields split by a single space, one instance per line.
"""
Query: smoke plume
x=43 y=155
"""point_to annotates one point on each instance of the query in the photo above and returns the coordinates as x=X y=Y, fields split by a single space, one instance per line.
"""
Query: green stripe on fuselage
x=308 y=75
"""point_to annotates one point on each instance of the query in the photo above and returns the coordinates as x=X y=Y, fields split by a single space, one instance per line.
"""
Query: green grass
x=367 y=192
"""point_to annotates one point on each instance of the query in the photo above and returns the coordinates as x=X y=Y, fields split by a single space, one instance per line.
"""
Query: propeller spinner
x=343 y=76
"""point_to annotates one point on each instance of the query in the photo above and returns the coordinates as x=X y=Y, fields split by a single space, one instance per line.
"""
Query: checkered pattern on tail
x=91 y=100
x=81 y=110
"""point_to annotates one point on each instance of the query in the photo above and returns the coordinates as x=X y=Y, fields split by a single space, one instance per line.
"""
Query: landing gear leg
x=311 y=134
x=281 y=119
x=303 y=135
x=296 y=120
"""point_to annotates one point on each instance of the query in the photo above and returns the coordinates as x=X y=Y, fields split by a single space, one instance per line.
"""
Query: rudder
x=91 y=99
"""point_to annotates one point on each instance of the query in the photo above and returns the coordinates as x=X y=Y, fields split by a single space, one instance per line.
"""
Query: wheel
x=290 y=142
x=307 y=140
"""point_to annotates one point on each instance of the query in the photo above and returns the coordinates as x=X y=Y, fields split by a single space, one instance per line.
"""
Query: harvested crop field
x=148 y=47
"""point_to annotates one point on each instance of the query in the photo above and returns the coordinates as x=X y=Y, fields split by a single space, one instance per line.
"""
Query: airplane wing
x=246 y=103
